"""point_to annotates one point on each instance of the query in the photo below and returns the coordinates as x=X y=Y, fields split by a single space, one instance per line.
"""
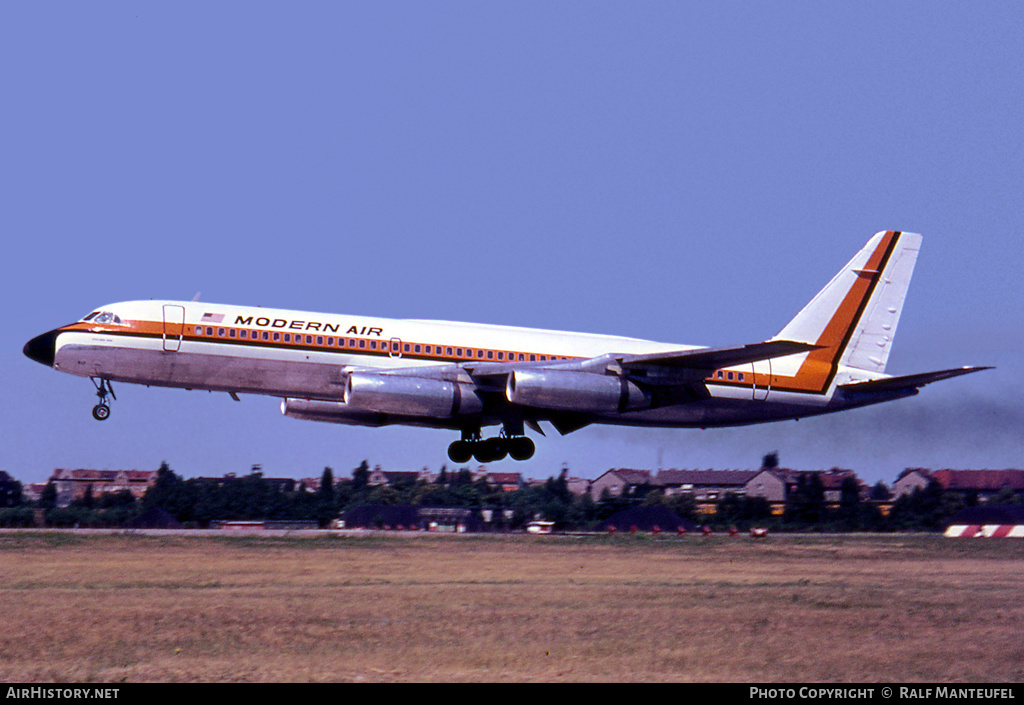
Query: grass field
x=465 y=608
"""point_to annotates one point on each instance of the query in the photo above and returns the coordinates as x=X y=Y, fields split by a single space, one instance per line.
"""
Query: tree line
x=198 y=502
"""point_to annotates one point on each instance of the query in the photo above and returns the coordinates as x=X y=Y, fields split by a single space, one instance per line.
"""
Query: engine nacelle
x=410 y=396
x=569 y=390
x=331 y=412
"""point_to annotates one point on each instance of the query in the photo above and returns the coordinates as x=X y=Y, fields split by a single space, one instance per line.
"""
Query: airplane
x=464 y=377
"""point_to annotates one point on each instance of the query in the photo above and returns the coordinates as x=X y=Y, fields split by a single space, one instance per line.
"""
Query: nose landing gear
x=101 y=411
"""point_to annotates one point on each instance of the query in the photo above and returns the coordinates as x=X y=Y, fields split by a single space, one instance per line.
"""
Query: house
x=909 y=480
x=777 y=484
x=704 y=485
x=768 y=483
x=983 y=483
x=33 y=491
x=391 y=478
x=579 y=486
x=310 y=484
x=75 y=484
x=506 y=481
x=620 y=482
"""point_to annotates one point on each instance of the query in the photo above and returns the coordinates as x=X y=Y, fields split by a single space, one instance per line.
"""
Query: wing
x=574 y=393
x=570 y=394
x=679 y=362
x=706 y=359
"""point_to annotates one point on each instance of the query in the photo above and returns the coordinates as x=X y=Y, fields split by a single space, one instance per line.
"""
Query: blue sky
x=684 y=172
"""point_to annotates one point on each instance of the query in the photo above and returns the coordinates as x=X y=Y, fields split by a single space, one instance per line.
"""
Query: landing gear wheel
x=100 y=412
x=481 y=451
x=498 y=448
x=521 y=448
x=491 y=450
x=460 y=451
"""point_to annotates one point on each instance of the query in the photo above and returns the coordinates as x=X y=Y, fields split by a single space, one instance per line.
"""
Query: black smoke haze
x=973 y=431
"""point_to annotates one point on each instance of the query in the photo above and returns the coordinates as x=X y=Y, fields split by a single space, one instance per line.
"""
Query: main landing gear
x=101 y=411
x=490 y=450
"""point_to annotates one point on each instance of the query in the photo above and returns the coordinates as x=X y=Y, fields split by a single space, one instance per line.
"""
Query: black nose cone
x=41 y=348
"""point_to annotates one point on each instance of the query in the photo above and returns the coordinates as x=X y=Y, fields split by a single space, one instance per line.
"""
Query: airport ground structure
x=780 y=499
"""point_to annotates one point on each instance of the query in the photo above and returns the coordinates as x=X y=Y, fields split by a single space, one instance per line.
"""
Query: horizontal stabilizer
x=715 y=358
x=893 y=384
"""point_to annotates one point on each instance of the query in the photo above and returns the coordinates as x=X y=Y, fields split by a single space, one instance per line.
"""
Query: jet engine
x=331 y=412
x=570 y=390
x=410 y=396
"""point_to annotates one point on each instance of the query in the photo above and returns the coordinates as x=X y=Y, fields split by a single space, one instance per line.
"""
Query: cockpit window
x=106 y=317
x=90 y=316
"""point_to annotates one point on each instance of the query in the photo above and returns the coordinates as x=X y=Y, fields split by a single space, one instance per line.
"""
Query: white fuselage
x=296 y=354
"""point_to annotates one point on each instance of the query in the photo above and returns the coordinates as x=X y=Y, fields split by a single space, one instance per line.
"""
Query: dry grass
x=446 y=608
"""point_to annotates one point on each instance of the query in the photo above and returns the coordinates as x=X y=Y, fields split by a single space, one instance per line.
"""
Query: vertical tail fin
x=872 y=338
x=854 y=318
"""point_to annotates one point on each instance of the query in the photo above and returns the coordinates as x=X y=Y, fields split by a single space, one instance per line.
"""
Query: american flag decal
x=213 y=317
